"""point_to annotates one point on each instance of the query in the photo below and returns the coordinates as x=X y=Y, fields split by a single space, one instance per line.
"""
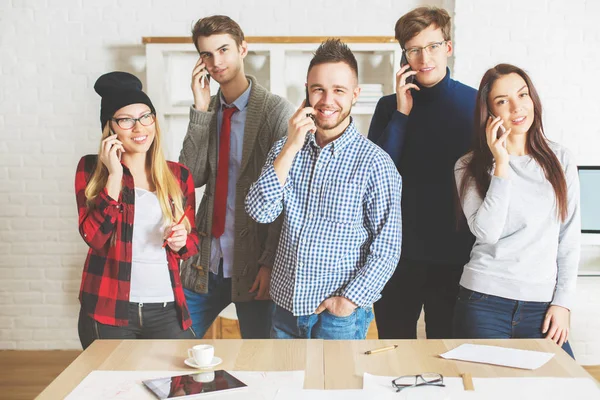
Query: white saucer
x=190 y=362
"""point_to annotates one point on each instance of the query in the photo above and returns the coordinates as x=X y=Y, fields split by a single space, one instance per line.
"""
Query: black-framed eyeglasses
x=431 y=49
x=427 y=379
x=129 y=123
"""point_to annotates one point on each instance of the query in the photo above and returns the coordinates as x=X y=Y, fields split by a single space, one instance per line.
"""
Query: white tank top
x=150 y=279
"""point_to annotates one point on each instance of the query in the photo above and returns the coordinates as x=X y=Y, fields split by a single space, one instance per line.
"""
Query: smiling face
x=224 y=59
x=431 y=68
x=332 y=90
x=509 y=99
x=139 y=138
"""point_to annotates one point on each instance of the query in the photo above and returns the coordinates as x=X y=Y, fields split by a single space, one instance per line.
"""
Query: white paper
x=516 y=358
x=127 y=385
x=490 y=389
x=311 y=394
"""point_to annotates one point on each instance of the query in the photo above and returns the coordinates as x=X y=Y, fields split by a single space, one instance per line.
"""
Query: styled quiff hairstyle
x=412 y=23
x=334 y=51
x=216 y=25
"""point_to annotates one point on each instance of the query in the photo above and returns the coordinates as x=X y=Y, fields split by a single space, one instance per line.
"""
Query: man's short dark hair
x=215 y=25
x=334 y=51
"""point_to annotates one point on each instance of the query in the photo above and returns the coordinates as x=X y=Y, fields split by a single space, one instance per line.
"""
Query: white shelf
x=280 y=67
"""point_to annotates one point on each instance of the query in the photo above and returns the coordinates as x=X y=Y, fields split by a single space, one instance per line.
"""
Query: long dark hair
x=479 y=165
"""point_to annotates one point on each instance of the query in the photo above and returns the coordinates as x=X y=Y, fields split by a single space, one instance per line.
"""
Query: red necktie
x=220 y=205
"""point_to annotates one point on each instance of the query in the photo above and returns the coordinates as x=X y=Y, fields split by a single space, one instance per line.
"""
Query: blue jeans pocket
x=470 y=296
x=353 y=326
x=341 y=320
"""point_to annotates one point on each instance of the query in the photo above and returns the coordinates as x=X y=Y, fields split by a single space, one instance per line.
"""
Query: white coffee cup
x=202 y=354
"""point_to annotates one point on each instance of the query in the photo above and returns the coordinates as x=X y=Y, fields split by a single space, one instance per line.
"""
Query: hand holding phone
x=403 y=62
x=307 y=104
x=405 y=83
x=299 y=125
x=121 y=149
x=200 y=85
x=110 y=154
x=501 y=129
x=496 y=136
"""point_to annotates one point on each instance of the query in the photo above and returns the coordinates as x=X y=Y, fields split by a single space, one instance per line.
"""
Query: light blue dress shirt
x=223 y=247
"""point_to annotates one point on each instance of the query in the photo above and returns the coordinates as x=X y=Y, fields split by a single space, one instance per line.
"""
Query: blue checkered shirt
x=342 y=227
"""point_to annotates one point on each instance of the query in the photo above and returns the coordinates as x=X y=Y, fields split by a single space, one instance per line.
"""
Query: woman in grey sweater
x=520 y=195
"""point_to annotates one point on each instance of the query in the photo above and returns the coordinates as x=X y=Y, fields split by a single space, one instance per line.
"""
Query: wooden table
x=168 y=355
x=345 y=361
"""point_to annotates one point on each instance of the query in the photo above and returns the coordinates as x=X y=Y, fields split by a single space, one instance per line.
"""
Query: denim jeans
x=254 y=316
x=320 y=326
x=148 y=321
x=483 y=316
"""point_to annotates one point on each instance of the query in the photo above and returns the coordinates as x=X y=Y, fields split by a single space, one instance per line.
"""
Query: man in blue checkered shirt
x=340 y=195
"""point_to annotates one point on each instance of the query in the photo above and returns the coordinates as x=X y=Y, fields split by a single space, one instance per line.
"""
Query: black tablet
x=193 y=384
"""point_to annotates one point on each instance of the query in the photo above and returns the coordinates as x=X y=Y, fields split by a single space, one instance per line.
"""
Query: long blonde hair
x=167 y=186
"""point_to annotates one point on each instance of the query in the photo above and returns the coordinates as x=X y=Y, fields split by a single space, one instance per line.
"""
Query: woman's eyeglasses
x=129 y=123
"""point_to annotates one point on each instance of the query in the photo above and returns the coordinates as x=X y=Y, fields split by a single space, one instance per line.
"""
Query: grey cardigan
x=255 y=244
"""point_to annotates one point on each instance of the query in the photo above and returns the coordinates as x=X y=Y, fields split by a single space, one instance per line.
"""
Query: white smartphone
x=205 y=78
x=501 y=130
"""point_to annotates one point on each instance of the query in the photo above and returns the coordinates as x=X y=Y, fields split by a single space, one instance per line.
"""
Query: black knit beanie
x=119 y=89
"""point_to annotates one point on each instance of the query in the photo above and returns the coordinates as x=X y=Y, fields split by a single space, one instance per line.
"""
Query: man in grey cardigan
x=228 y=138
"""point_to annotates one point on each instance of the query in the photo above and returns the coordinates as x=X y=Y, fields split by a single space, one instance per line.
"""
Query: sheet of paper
x=359 y=394
x=496 y=355
x=491 y=388
x=382 y=387
x=127 y=385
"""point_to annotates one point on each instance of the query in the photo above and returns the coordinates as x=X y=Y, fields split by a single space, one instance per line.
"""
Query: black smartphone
x=501 y=130
x=403 y=62
x=118 y=151
x=307 y=104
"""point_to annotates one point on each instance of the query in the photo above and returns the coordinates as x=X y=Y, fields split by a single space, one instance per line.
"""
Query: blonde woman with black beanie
x=136 y=213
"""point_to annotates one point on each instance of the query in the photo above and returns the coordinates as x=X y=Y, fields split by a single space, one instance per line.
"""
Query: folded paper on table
x=496 y=355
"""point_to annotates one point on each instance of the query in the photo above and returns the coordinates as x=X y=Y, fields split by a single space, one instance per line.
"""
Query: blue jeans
x=483 y=316
x=320 y=326
x=254 y=316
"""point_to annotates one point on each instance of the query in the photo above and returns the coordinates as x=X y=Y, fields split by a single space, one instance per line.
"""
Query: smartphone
x=307 y=104
x=205 y=78
x=501 y=130
x=403 y=62
x=118 y=151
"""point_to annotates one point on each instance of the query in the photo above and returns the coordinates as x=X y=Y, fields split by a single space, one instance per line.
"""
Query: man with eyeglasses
x=425 y=127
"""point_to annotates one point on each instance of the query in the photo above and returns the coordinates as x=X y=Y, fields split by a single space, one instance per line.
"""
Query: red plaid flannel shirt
x=106 y=279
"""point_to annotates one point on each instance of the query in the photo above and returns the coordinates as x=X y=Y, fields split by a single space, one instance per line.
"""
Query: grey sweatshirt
x=522 y=250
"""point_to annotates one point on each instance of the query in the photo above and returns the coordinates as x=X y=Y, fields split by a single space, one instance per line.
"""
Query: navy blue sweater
x=425 y=146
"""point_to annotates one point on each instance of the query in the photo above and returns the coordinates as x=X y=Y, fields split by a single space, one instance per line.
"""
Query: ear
x=355 y=94
x=243 y=49
x=450 y=48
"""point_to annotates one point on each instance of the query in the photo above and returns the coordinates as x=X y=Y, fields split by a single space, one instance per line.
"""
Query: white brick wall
x=52 y=51
x=556 y=42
